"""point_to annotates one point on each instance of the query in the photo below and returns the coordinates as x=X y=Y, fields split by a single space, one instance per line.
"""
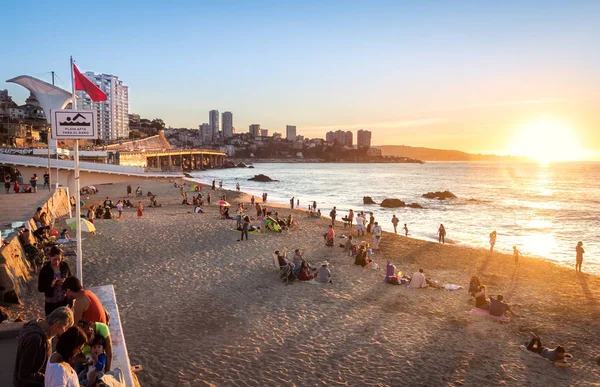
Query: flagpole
x=77 y=188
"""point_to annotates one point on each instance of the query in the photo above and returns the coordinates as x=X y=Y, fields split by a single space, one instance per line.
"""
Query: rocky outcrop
x=368 y=200
x=262 y=178
x=439 y=195
x=242 y=165
x=392 y=203
x=229 y=164
x=414 y=205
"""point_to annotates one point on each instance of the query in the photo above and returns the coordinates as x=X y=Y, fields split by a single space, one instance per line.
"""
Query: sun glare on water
x=547 y=141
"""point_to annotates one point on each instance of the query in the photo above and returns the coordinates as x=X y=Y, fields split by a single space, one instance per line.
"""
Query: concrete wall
x=15 y=270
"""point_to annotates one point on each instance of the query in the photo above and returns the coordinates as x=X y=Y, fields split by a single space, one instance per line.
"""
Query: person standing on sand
x=237 y=187
x=516 y=254
x=442 y=234
x=579 y=256
x=120 y=208
x=140 y=209
x=220 y=184
x=314 y=206
x=493 y=235
x=292 y=203
x=351 y=218
x=208 y=198
x=129 y=191
x=405 y=230
x=252 y=200
x=46 y=180
x=33 y=182
x=245 y=225
x=297 y=203
x=395 y=223
x=371 y=222
x=213 y=184
x=7 y=183
x=376 y=235
x=360 y=224
x=333 y=214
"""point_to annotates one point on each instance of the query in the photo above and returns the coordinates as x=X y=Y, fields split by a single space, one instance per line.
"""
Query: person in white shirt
x=120 y=208
x=360 y=224
x=376 y=235
x=418 y=280
x=59 y=372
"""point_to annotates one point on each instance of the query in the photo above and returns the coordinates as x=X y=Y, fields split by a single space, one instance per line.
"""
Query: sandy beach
x=199 y=308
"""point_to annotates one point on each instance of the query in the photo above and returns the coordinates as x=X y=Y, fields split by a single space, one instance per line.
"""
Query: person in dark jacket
x=51 y=278
x=33 y=348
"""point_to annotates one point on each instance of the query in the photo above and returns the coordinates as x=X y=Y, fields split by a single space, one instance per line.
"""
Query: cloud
x=382 y=125
x=516 y=103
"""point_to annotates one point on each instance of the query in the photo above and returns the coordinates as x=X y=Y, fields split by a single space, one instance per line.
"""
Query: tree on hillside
x=158 y=124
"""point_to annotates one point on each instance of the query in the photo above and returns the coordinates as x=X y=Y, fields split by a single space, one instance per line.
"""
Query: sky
x=466 y=75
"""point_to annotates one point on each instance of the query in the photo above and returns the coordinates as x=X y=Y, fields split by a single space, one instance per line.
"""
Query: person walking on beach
x=213 y=184
x=292 y=203
x=120 y=208
x=442 y=234
x=579 y=256
x=360 y=224
x=129 y=191
x=493 y=235
x=297 y=203
x=208 y=198
x=405 y=230
x=245 y=225
x=252 y=200
x=516 y=254
x=314 y=206
x=395 y=223
x=333 y=214
x=237 y=187
x=376 y=235
x=351 y=218
x=140 y=209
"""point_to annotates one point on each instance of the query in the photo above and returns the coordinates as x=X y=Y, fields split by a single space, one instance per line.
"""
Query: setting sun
x=547 y=141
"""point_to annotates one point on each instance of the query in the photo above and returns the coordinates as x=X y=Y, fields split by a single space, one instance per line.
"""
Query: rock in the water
x=368 y=200
x=414 y=205
x=392 y=203
x=242 y=165
x=439 y=195
x=229 y=164
x=262 y=178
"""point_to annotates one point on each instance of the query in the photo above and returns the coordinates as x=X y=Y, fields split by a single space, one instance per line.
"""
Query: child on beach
x=579 y=256
x=96 y=361
x=493 y=235
x=140 y=209
x=405 y=230
x=442 y=234
x=120 y=208
x=516 y=254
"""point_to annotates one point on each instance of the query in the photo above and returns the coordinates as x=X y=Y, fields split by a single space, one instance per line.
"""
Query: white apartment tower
x=213 y=120
x=227 y=122
x=206 y=133
x=113 y=114
x=363 y=138
x=290 y=132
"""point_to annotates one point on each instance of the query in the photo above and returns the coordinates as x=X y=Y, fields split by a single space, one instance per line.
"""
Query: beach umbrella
x=223 y=203
x=86 y=225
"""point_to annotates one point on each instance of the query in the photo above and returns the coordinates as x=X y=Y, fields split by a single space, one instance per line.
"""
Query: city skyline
x=472 y=77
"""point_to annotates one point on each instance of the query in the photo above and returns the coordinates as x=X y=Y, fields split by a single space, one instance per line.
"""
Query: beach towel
x=451 y=287
x=560 y=363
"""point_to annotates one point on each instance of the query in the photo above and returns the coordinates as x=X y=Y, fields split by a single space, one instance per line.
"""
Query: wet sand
x=200 y=308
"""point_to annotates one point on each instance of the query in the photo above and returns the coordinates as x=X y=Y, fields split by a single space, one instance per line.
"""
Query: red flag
x=83 y=83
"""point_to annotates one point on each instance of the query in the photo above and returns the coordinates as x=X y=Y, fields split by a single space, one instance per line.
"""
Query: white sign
x=74 y=124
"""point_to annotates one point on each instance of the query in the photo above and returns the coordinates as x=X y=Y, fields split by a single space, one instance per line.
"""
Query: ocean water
x=544 y=210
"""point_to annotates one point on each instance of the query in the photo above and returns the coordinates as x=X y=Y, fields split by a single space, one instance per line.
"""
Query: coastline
x=184 y=283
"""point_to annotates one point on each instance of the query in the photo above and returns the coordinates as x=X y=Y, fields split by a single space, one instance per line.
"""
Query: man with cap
x=323 y=274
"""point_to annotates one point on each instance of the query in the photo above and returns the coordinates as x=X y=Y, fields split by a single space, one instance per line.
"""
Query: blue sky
x=462 y=75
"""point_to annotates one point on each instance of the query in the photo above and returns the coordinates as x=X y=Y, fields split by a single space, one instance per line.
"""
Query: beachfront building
x=363 y=138
x=254 y=130
x=264 y=132
x=330 y=137
x=227 y=121
x=348 y=139
x=113 y=114
x=213 y=120
x=290 y=132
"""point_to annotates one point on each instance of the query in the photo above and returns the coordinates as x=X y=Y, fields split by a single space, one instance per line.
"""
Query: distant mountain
x=429 y=154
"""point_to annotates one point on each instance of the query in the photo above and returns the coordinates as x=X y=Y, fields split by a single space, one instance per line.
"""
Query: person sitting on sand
x=107 y=203
x=290 y=221
x=281 y=259
x=323 y=275
x=107 y=214
x=418 y=280
x=362 y=257
x=349 y=246
x=329 y=236
x=474 y=285
x=481 y=300
x=557 y=354
x=304 y=274
x=297 y=261
x=499 y=308
x=198 y=210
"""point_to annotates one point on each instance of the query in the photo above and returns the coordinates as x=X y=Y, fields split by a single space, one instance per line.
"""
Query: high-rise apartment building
x=213 y=120
x=348 y=138
x=227 y=122
x=113 y=114
x=363 y=138
x=206 y=133
x=264 y=132
x=254 y=130
x=329 y=137
x=290 y=132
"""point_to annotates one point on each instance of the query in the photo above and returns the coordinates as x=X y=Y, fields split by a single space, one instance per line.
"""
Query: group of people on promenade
x=13 y=177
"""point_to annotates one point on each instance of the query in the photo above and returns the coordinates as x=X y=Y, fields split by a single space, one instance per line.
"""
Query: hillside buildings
x=340 y=137
x=254 y=130
x=113 y=114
